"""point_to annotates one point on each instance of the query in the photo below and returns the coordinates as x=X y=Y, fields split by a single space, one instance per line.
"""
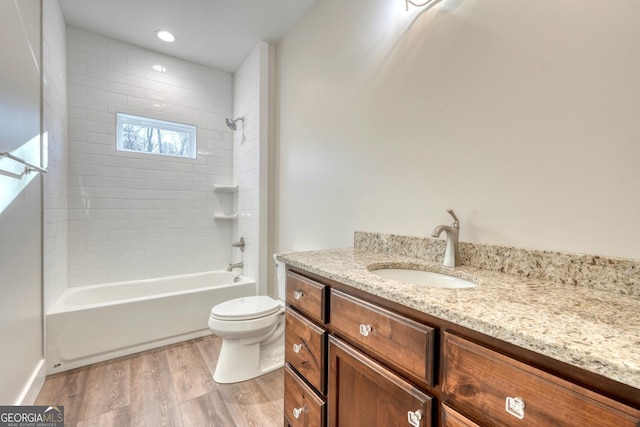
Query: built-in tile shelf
x=225 y=188
x=231 y=217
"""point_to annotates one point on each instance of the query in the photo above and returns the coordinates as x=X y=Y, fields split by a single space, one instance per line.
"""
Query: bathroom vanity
x=364 y=351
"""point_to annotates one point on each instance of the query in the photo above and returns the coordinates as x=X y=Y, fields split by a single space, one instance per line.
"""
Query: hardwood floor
x=167 y=386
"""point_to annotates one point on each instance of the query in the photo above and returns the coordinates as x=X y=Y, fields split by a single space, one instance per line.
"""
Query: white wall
x=55 y=127
x=521 y=116
x=21 y=304
x=250 y=144
x=134 y=216
x=20 y=204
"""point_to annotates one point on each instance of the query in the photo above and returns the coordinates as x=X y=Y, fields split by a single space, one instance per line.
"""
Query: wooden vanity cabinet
x=359 y=390
x=363 y=361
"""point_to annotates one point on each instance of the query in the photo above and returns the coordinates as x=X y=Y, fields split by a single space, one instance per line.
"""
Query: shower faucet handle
x=239 y=244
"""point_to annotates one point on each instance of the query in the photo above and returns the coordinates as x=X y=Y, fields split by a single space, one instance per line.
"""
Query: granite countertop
x=593 y=329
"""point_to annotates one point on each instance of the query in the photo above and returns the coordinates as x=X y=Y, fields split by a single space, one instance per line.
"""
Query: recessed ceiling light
x=165 y=36
x=159 y=68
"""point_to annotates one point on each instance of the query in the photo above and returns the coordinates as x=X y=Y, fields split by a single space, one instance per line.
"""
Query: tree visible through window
x=145 y=135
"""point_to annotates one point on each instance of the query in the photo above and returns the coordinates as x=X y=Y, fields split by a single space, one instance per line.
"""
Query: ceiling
x=217 y=33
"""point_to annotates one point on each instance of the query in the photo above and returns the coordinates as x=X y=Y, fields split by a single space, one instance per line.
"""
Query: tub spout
x=235 y=265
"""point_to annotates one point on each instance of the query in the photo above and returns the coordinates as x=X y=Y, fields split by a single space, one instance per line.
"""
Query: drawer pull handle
x=298 y=294
x=414 y=417
x=297 y=348
x=365 y=329
x=515 y=406
x=299 y=411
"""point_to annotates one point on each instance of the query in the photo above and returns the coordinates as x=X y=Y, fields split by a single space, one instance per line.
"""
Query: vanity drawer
x=306 y=295
x=305 y=345
x=302 y=406
x=452 y=418
x=398 y=341
x=499 y=391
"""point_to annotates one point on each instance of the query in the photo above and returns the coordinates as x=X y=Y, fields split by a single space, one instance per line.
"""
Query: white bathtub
x=95 y=323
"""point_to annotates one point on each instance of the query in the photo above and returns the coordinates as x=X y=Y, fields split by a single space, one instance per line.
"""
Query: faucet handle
x=456 y=222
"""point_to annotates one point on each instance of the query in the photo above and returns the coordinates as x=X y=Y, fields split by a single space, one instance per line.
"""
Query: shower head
x=232 y=123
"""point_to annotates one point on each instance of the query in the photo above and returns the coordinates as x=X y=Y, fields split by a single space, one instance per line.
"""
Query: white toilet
x=252 y=331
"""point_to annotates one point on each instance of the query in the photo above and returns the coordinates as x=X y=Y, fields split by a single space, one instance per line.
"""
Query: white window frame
x=123 y=119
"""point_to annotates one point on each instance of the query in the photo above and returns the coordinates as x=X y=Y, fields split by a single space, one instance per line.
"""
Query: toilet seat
x=247 y=308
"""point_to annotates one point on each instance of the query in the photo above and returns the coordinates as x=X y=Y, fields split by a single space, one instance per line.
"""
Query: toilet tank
x=282 y=277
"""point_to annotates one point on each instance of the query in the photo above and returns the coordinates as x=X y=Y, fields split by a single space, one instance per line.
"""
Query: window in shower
x=144 y=135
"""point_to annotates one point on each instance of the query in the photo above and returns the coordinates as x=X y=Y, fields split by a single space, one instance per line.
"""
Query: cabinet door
x=363 y=393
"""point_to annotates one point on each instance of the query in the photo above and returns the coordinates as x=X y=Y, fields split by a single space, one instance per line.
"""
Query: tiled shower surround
x=134 y=216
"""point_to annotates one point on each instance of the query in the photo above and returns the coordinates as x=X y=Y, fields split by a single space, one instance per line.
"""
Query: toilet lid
x=246 y=308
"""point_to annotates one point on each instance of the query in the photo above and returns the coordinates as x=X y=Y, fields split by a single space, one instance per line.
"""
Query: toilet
x=252 y=332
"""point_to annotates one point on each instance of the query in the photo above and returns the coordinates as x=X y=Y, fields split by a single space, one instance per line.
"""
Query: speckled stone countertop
x=593 y=329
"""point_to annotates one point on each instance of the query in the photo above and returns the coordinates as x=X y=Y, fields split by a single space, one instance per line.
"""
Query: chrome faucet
x=235 y=265
x=452 y=252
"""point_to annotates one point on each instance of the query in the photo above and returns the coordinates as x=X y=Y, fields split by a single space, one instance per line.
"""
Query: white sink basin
x=424 y=278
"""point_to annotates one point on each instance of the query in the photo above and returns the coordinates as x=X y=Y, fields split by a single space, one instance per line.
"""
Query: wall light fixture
x=426 y=3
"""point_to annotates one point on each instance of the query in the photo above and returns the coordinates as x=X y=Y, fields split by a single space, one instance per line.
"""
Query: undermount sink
x=424 y=278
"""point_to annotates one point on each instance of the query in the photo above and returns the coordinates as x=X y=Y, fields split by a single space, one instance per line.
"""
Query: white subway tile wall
x=55 y=127
x=246 y=159
x=134 y=216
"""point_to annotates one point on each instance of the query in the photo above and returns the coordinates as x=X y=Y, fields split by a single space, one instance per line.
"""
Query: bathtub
x=95 y=323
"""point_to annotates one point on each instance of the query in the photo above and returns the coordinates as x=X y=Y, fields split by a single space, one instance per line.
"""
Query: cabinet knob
x=515 y=407
x=299 y=411
x=365 y=329
x=298 y=294
x=297 y=348
x=414 y=417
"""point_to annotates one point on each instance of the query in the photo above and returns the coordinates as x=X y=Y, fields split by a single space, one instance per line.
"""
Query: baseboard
x=33 y=386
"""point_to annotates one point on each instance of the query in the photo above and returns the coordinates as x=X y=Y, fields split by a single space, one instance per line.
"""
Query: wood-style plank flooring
x=167 y=386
